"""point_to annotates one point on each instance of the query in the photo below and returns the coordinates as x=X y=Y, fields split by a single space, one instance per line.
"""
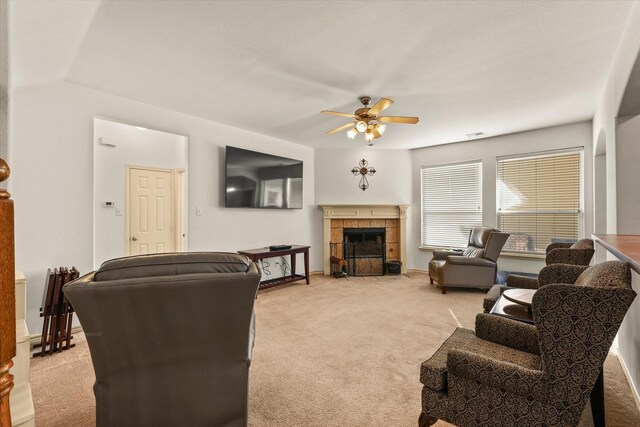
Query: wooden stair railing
x=7 y=298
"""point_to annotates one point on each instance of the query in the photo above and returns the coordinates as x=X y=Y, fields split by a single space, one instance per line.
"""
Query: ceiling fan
x=367 y=120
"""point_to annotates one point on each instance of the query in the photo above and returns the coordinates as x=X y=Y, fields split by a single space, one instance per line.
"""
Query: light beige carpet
x=339 y=352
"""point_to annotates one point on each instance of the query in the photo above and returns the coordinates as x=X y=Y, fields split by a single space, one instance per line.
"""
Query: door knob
x=135 y=239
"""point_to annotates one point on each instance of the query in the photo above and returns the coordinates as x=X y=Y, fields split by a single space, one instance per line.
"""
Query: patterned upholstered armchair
x=475 y=267
x=510 y=373
x=578 y=253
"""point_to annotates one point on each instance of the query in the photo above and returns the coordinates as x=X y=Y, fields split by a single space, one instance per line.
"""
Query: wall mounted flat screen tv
x=259 y=180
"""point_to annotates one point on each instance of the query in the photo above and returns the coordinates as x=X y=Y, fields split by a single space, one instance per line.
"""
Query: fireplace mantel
x=364 y=212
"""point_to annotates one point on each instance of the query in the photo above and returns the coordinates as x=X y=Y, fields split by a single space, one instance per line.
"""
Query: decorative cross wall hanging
x=363 y=169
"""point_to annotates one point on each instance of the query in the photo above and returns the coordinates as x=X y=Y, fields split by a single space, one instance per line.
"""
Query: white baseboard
x=410 y=270
x=36 y=338
x=634 y=390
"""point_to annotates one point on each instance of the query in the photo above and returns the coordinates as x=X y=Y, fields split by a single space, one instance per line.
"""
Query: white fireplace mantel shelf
x=383 y=211
x=364 y=211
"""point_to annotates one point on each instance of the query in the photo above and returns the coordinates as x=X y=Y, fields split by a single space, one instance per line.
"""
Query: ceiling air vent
x=475 y=135
x=107 y=141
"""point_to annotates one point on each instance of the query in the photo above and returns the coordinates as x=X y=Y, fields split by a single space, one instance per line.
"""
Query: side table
x=258 y=254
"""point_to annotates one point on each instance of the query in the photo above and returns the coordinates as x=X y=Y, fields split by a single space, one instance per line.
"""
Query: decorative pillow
x=473 y=252
x=583 y=244
x=607 y=274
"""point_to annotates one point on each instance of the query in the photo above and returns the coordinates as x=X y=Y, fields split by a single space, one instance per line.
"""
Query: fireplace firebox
x=364 y=251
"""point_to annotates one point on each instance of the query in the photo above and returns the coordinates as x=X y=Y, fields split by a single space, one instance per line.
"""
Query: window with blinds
x=540 y=199
x=451 y=203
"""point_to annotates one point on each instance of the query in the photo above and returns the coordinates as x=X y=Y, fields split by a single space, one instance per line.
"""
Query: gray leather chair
x=170 y=337
x=475 y=267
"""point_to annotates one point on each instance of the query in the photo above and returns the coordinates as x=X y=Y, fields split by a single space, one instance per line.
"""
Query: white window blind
x=540 y=199
x=451 y=203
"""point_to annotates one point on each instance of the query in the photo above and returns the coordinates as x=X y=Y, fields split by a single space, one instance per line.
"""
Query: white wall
x=134 y=147
x=604 y=119
x=52 y=150
x=573 y=135
x=628 y=176
x=336 y=184
x=4 y=79
x=604 y=130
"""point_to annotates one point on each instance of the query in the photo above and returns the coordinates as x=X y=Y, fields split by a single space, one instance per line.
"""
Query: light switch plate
x=118 y=211
x=198 y=211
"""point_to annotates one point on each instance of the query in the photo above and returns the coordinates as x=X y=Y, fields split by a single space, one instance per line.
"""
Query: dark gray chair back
x=169 y=337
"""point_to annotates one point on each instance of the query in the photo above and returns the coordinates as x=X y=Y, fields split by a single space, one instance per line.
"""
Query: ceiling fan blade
x=384 y=103
x=338 y=129
x=398 y=119
x=335 y=113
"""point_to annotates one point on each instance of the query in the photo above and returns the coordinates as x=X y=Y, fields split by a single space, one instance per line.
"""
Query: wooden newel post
x=7 y=298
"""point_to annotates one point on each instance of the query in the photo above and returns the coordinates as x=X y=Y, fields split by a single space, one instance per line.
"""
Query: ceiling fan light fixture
x=369 y=136
x=368 y=121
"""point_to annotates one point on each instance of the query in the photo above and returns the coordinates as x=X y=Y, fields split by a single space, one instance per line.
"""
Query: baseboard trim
x=634 y=390
x=35 y=339
x=410 y=270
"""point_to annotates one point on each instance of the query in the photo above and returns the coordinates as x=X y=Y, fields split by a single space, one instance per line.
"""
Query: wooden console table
x=256 y=255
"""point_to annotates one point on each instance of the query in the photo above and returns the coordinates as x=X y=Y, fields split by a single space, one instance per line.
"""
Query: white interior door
x=151 y=217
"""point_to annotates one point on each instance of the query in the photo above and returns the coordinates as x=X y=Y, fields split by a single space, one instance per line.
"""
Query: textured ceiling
x=270 y=67
x=45 y=36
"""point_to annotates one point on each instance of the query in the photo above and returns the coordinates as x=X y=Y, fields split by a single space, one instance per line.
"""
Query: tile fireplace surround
x=366 y=216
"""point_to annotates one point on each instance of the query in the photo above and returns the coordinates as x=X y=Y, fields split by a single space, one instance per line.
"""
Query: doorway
x=153 y=160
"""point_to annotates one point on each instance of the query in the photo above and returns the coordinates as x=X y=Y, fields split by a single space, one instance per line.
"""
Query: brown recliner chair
x=170 y=337
x=475 y=267
x=510 y=373
x=578 y=253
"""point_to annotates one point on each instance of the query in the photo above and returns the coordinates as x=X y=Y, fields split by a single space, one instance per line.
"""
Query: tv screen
x=259 y=180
